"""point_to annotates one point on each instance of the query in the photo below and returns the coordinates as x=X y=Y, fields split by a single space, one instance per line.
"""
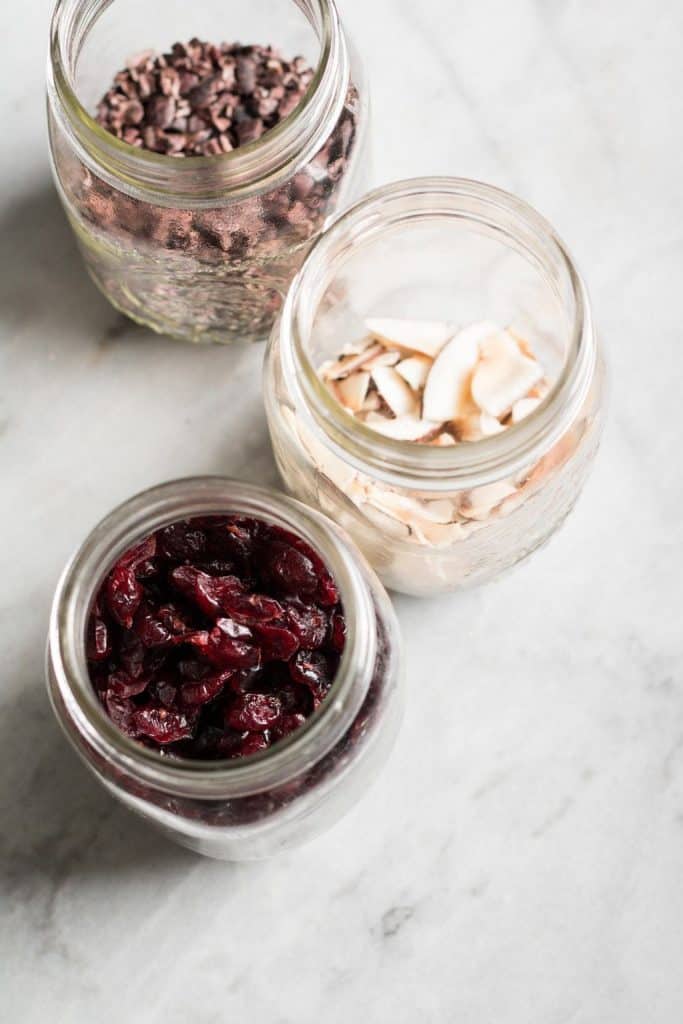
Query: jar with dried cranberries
x=227 y=664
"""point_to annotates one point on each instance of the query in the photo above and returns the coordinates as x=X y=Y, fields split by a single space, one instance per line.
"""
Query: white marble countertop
x=520 y=861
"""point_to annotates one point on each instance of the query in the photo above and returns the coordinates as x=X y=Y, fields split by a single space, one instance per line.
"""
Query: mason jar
x=251 y=807
x=449 y=250
x=203 y=247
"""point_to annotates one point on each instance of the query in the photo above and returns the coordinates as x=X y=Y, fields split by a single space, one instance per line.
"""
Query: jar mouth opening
x=131 y=522
x=246 y=169
x=405 y=463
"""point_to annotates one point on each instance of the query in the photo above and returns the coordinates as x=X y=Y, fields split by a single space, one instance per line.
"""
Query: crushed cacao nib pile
x=215 y=637
x=201 y=99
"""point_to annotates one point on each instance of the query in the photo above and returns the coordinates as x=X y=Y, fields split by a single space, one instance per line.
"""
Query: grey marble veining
x=519 y=861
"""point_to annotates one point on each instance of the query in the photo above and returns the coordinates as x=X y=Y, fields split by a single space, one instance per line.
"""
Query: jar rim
x=402 y=463
x=200 y=181
x=67 y=670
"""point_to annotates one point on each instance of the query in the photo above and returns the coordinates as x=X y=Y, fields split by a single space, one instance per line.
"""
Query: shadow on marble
x=42 y=276
x=59 y=825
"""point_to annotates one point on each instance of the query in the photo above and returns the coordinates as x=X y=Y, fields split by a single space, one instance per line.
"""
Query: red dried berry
x=209 y=593
x=205 y=690
x=210 y=635
x=122 y=685
x=254 y=712
x=97 y=642
x=124 y=595
x=277 y=643
x=308 y=623
x=164 y=726
x=254 y=743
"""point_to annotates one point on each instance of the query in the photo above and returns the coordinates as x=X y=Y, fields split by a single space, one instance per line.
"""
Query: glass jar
x=203 y=248
x=457 y=251
x=253 y=807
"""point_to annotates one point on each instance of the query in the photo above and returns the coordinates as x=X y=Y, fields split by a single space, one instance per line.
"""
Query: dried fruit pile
x=200 y=99
x=215 y=637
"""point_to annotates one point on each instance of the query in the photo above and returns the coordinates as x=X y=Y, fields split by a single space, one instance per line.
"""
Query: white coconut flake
x=403 y=428
x=399 y=397
x=385 y=358
x=353 y=391
x=503 y=375
x=447 y=389
x=523 y=408
x=426 y=336
x=347 y=364
x=481 y=502
x=415 y=371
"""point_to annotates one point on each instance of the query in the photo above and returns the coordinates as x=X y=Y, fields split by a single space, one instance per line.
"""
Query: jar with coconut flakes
x=435 y=383
x=199 y=149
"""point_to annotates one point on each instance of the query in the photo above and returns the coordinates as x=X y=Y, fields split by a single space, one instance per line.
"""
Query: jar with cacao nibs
x=227 y=664
x=435 y=383
x=199 y=149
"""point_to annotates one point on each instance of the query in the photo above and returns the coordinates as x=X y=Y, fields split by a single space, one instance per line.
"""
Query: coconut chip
x=423 y=382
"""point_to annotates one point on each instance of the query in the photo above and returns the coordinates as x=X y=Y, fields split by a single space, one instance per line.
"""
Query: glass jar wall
x=203 y=247
x=255 y=806
x=454 y=251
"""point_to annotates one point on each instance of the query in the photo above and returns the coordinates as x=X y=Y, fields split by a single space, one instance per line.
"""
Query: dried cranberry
x=254 y=743
x=290 y=723
x=182 y=542
x=160 y=628
x=252 y=608
x=277 y=642
x=122 y=685
x=124 y=595
x=122 y=714
x=254 y=712
x=164 y=726
x=209 y=593
x=215 y=637
x=97 y=642
x=338 y=633
x=205 y=690
x=314 y=670
x=308 y=623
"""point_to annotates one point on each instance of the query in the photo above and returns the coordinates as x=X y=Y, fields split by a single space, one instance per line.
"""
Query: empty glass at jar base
x=459 y=252
x=203 y=248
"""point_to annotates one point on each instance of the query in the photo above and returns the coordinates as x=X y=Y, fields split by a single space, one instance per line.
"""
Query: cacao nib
x=215 y=665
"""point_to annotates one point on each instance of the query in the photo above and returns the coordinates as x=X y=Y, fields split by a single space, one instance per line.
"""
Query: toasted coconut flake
x=372 y=402
x=481 y=502
x=478 y=426
x=447 y=389
x=407 y=508
x=387 y=524
x=395 y=392
x=347 y=364
x=523 y=408
x=503 y=375
x=426 y=336
x=403 y=428
x=385 y=358
x=415 y=371
x=353 y=390
x=438 y=535
x=540 y=390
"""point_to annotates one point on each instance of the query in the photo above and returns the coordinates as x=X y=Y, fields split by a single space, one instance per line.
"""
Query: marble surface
x=520 y=860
